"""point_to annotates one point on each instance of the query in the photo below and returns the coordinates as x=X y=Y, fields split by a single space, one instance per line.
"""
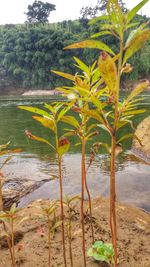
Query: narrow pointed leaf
x=37 y=138
x=35 y=110
x=91 y=44
x=101 y=34
x=46 y=122
x=104 y=128
x=64 y=75
x=134 y=112
x=103 y=17
x=70 y=120
x=93 y=114
x=129 y=136
x=132 y=25
x=82 y=65
x=4 y=146
x=64 y=111
x=138 y=90
x=131 y=14
x=136 y=44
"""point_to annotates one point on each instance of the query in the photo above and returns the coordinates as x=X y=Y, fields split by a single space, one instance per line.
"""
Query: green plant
x=113 y=113
x=50 y=117
x=45 y=213
x=11 y=220
x=84 y=86
x=101 y=251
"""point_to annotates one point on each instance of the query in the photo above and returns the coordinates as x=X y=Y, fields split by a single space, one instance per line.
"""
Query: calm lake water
x=37 y=162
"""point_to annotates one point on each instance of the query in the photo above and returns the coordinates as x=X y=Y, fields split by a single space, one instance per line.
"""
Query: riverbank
x=127 y=85
x=31 y=240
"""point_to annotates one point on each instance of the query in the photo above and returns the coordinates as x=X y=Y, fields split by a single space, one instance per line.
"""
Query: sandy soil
x=31 y=240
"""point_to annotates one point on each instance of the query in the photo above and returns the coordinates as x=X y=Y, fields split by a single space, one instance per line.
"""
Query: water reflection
x=133 y=180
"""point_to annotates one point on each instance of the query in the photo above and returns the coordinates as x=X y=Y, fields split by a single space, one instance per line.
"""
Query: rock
x=40 y=92
x=143 y=133
x=14 y=189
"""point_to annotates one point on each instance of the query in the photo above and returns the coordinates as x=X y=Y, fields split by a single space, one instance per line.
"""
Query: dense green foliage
x=29 y=52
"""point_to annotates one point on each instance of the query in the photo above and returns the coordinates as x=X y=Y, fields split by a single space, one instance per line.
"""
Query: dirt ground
x=32 y=247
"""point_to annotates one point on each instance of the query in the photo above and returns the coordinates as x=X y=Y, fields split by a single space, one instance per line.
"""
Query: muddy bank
x=142 y=149
x=133 y=237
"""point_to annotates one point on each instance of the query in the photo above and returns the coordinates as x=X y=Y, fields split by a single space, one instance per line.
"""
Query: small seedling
x=68 y=202
x=101 y=251
x=45 y=213
x=11 y=220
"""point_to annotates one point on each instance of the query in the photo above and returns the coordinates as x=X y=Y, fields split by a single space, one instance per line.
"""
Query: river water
x=37 y=162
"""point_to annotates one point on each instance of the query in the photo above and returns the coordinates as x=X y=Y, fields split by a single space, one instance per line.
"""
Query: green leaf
x=35 y=110
x=131 y=14
x=99 y=257
x=64 y=75
x=101 y=34
x=64 y=111
x=104 y=128
x=128 y=136
x=81 y=65
x=97 y=102
x=90 y=252
x=138 y=90
x=132 y=25
x=92 y=126
x=70 y=120
x=123 y=122
x=93 y=114
x=103 y=17
x=37 y=138
x=134 y=112
x=46 y=122
x=136 y=43
x=97 y=244
x=116 y=16
x=4 y=146
x=91 y=44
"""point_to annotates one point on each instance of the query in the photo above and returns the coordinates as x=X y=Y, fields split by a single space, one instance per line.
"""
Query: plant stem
x=70 y=238
x=90 y=208
x=49 y=242
x=83 y=176
x=62 y=208
x=113 y=225
x=8 y=242
x=1 y=196
x=12 y=243
x=61 y=196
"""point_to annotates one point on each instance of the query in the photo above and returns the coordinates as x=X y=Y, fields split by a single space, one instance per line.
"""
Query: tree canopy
x=100 y=7
x=39 y=12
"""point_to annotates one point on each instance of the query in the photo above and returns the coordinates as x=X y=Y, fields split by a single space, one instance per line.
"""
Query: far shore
x=12 y=91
